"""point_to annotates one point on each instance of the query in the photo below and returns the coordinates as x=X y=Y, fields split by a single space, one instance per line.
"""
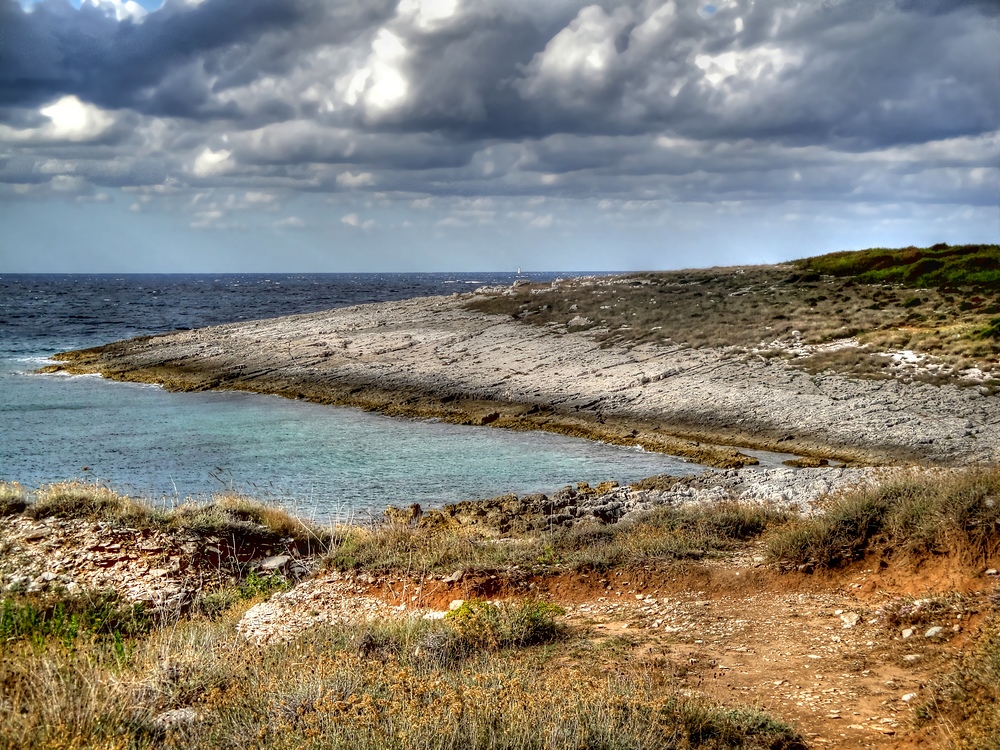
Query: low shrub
x=13 y=498
x=956 y=513
x=484 y=625
x=92 y=501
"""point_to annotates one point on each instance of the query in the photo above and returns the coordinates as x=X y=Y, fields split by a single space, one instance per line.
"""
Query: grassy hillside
x=938 y=266
x=942 y=303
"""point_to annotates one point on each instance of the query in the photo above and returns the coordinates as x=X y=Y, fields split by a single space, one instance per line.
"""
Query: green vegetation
x=94 y=614
x=773 y=311
x=92 y=671
x=253 y=586
x=494 y=677
x=956 y=514
x=483 y=625
x=938 y=266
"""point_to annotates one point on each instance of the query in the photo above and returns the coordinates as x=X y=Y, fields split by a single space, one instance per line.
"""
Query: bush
x=956 y=513
x=13 y=498
x=486 y=626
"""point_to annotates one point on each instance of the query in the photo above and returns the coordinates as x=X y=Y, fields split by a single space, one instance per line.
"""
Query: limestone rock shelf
x=432 y=357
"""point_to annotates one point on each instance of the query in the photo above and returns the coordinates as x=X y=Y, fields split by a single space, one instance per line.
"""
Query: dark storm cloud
x=750 y=99
x=56 y=49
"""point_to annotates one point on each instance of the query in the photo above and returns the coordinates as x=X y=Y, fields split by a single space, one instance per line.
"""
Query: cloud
x=209 y=163
x=349 y=180
x=353 y=220
x=417 y=99
x=67 y=120
x=290 y=222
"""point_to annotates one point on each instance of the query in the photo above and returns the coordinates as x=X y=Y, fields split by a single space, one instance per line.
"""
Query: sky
x=467 y=135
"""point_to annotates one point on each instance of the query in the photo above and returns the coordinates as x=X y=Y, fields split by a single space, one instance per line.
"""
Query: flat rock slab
x=434 y=348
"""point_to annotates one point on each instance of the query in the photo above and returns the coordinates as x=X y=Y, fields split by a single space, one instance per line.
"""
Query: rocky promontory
x=437 y=358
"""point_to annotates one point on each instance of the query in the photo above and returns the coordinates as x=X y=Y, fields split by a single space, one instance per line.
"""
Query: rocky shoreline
x=435 y=358
x=166 y=570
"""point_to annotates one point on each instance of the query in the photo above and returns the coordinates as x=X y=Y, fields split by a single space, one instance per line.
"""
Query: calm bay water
x=333 y=462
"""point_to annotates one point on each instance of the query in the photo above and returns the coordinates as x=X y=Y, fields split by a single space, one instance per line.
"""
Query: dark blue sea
x=331 y=462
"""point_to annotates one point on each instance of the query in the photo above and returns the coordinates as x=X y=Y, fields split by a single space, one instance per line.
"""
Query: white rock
x=176 y=717
x=907 y=632
x=934 y=632
x=275 y=562
x=455 y=604
x=454 y=577
x=850 y=619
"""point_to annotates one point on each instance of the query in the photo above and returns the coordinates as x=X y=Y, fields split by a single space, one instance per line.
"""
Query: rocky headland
x=436 y=358
x=847 y=599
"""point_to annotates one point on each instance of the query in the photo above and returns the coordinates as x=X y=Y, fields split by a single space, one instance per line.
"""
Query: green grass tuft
x=65 y=618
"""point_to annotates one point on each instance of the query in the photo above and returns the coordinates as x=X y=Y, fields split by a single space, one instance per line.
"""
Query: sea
x=329 y=463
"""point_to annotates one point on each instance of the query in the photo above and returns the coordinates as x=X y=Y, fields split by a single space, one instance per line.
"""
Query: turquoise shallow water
x=326 y=461
x=332 y=461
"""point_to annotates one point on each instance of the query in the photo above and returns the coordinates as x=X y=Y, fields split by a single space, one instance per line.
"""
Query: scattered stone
x=907 y=632
x=934 y=632
x=275 y=562
x=850 y=619
x=908 y=697
x=455 y=604
x=176 y=717
x=455 y=577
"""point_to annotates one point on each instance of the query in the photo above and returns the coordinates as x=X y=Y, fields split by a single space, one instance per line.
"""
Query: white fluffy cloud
x=66 y=120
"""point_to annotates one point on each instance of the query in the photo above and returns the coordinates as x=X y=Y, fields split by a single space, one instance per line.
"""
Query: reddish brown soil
x=753 y=636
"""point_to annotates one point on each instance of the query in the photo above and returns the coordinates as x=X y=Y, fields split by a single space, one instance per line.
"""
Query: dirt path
x=824 y=653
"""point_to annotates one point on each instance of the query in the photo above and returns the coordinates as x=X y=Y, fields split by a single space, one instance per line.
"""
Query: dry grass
x=661 y=536
x=13 y=498
x=229 y=514
x=225 y=515
x=768 y=309
x=334 y=689
x=965 y=703
x=952 y=513
x=91 y=501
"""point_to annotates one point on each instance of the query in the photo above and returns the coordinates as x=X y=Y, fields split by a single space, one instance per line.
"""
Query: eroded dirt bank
x=433 y=357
